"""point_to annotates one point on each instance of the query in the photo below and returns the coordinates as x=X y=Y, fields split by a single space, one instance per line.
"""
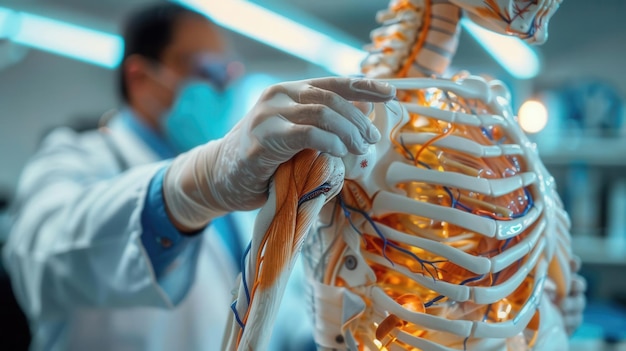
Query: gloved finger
x=314 y=95
x=327 y=119
x=302 y=136
x=354 y=89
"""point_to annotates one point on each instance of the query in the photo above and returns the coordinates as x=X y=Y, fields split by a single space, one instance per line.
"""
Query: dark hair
x=147 y=32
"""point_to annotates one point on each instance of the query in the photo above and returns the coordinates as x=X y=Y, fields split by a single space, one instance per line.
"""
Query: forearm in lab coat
x=76 y=240
x=171 y=253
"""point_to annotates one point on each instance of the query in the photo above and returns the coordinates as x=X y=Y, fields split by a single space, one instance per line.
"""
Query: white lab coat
x=77 y=263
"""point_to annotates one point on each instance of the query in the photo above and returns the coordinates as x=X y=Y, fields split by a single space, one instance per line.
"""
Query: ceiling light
x=62 y=38
x=533 y=116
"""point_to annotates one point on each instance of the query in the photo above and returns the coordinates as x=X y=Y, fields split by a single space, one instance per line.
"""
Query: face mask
x=199 y=114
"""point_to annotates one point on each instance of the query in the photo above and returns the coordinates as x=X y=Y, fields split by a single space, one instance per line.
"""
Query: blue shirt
x=151 y=138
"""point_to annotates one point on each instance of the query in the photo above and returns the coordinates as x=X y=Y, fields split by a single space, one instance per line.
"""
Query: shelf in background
x=594 y=151
x=599 y=250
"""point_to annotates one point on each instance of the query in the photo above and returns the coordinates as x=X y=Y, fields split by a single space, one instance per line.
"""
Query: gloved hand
x=232 y=173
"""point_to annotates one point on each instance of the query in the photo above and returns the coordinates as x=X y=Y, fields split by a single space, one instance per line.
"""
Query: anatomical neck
x=417 y=38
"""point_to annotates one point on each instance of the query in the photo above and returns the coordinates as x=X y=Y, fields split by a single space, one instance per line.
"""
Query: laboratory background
x=58 y=61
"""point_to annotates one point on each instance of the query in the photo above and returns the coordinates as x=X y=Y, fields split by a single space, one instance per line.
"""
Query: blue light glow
x=7 y=25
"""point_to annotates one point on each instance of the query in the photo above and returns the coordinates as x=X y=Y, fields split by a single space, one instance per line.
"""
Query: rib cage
x=446 y=232
x=429 y=273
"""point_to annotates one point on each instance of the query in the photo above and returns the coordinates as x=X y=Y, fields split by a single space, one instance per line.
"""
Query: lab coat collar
x=150 y=137
x=128 y=144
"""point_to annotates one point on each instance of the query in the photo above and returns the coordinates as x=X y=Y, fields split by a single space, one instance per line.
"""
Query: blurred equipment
x=582 y=198
x=594 y=107
x=616 y=226
x=585 y=108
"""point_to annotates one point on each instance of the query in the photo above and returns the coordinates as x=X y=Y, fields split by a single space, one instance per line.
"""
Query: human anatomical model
x=447 y=234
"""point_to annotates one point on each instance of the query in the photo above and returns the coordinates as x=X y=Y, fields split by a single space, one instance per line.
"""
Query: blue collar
x=149 y=136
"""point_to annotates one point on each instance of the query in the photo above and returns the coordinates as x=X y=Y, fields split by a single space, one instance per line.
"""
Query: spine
x=417 y=38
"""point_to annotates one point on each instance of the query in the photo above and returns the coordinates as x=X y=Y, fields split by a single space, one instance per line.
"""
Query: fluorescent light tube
x=5 y=15
x=66 y=39
x=513 y=54
x=263 y=25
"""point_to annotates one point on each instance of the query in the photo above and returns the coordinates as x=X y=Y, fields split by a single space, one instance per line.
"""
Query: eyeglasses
x=217 y=70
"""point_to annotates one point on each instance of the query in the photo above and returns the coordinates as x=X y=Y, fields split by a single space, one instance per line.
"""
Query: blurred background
x=573 y=86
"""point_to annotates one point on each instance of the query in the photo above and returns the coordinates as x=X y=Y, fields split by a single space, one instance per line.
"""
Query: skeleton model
x=447 y=234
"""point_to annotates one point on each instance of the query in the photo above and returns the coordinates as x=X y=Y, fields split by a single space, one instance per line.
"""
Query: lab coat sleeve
x=171 y=253
x=76 y=238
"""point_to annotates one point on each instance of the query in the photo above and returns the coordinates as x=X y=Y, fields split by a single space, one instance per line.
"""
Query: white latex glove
x=232 y=173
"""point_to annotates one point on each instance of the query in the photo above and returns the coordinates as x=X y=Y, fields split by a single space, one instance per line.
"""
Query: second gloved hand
x=233 y=173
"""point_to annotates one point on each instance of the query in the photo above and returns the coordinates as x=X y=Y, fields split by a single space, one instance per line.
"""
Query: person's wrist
x=241 y=173
x=178 y=225
x=187 y=190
